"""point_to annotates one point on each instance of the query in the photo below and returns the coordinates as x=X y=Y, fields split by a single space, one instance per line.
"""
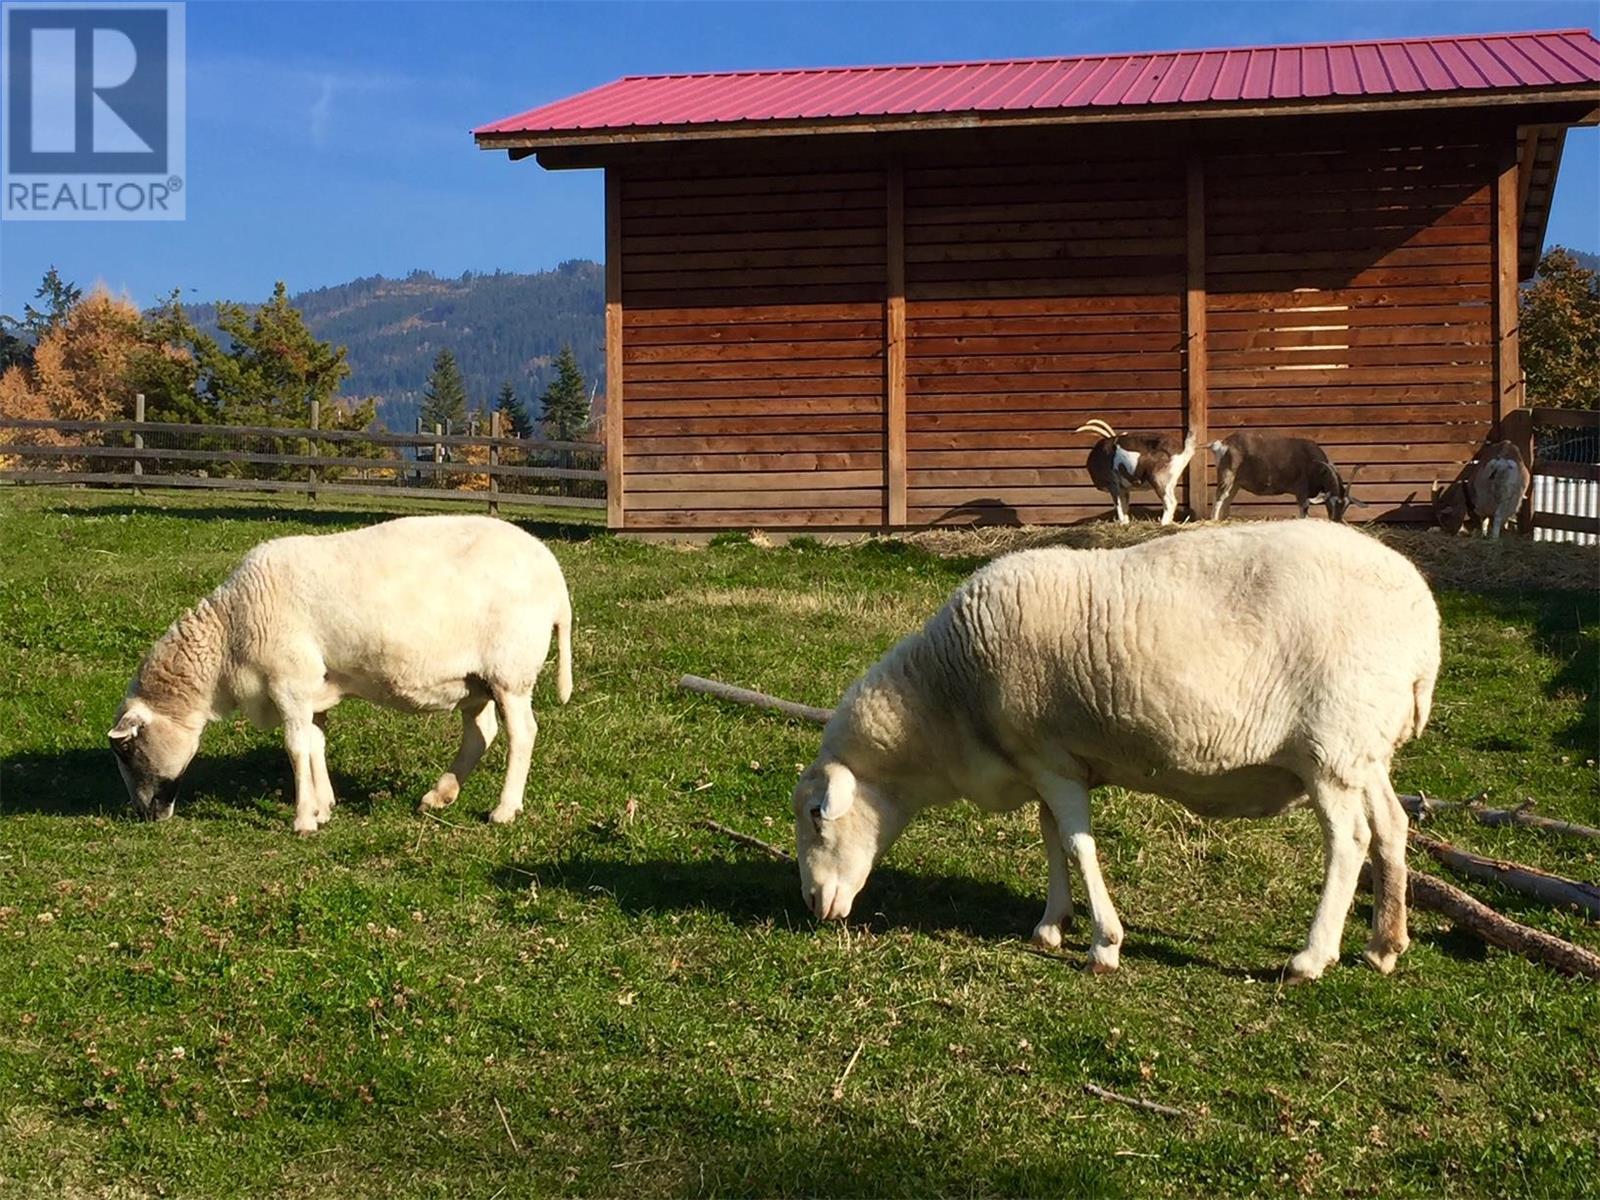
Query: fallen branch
x=838 y=1088
x=1552 y=889
x=744 y=839
x=1421 y=807
x=1435 y=895
x=1160 y=1110
x=739 y=695
x=507 y=1125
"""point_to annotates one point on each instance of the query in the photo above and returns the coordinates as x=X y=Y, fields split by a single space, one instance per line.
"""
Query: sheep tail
x=564 y=651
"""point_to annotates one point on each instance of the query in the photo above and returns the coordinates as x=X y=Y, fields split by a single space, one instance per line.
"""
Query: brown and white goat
x=1488 y=492
x=1268 y=464
x=1119 y=462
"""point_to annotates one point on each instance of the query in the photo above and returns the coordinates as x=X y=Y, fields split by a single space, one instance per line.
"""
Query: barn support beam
x=1196 y=414
x=615 y=508
x=1507 y=360
x=894 y=334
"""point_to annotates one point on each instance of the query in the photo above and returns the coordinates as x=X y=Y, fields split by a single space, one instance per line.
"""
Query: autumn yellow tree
x=1560 y=333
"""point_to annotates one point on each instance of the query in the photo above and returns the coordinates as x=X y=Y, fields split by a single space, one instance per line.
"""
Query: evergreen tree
x=444 y=401
x=566 y=400
x=59 y=296
x=514 y=419
x=272 y=368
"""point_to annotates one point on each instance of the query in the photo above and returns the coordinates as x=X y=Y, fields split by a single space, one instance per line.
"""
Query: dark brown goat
x=1267 y=464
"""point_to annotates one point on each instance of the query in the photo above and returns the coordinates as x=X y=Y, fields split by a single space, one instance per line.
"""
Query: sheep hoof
x=1103 y=959
x=1303 y=968
x=1381 y=957
x=1047 y=936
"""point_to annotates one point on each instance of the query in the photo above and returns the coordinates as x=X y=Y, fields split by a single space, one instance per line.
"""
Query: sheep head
x=153 y=750
x=842 y=826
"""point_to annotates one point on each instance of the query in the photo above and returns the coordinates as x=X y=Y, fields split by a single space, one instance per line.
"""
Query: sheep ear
x=841 y=791
x=126 y=729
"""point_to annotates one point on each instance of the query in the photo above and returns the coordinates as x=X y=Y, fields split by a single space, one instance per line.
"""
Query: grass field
x=607 y=999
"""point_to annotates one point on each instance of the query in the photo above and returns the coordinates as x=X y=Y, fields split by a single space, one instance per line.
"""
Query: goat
x=1488 y=492
x=1120 y=461
x=1267 y=464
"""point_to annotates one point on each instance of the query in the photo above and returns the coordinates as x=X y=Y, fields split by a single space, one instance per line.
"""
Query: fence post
x=311 y=472
x=138 y=437
x=438 y=455
x=494 y=461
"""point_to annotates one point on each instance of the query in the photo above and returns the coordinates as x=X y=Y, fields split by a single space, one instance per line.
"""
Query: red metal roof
x=1324 y=71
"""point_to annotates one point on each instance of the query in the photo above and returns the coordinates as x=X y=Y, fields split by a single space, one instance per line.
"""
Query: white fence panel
x=1566 y=497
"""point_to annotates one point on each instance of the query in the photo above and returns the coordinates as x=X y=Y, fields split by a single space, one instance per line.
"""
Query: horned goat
x=1119 y=462
x=1266 y=464
x=421 y=614
x=1238 y=670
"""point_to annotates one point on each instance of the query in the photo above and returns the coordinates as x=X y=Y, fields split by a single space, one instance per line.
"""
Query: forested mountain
x=501 y=326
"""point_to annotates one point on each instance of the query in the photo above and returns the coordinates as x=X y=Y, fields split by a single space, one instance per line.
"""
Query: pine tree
x=566 y=400
x=59 y=296
x=444 y=400
x=514 y=419
x=273 y=367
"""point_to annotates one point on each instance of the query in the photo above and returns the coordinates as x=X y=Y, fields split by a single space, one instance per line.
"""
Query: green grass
x=211 y=1007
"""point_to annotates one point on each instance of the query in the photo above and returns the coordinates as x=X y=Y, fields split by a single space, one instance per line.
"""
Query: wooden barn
x=885 y=297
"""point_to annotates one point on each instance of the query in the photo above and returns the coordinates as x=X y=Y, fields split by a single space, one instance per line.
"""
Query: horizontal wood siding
x=1038 y=295
x=1349 y=299
x=753 y=349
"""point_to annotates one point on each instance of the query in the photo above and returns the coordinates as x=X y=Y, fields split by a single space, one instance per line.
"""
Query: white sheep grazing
x=1234 y=669
x=421 y=614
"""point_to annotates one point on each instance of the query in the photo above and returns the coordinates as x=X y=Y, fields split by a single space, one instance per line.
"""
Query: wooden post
x=438 y=456
x=138 y=437
x=616 y=508
x=1196 y=403
x=311 y=472
x=494 y=461
x=894 y=334
x=1507 y=360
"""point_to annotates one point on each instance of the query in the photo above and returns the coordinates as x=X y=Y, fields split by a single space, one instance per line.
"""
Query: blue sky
x=329 y=141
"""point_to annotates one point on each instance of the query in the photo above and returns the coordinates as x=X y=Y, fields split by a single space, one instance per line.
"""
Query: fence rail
x=493 y=469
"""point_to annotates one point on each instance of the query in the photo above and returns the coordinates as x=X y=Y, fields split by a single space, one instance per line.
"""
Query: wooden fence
x=1563 y=446
x=493 y=469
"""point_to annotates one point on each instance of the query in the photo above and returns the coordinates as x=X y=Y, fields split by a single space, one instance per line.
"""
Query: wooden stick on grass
x=1435 y=895
x=744 y=839
x=1421 y=806
x=1161 y=1110
x=1552 y=889
x=739 y=695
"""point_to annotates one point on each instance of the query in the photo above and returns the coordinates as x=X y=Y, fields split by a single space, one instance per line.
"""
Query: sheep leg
x=521 y=729
x=1389 y=938
x=1119 y=500
x=478 y=728
x=301 y=738
x=1346 y=835
x=319 y=769
x=1069 y=804
x=1058 y=899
